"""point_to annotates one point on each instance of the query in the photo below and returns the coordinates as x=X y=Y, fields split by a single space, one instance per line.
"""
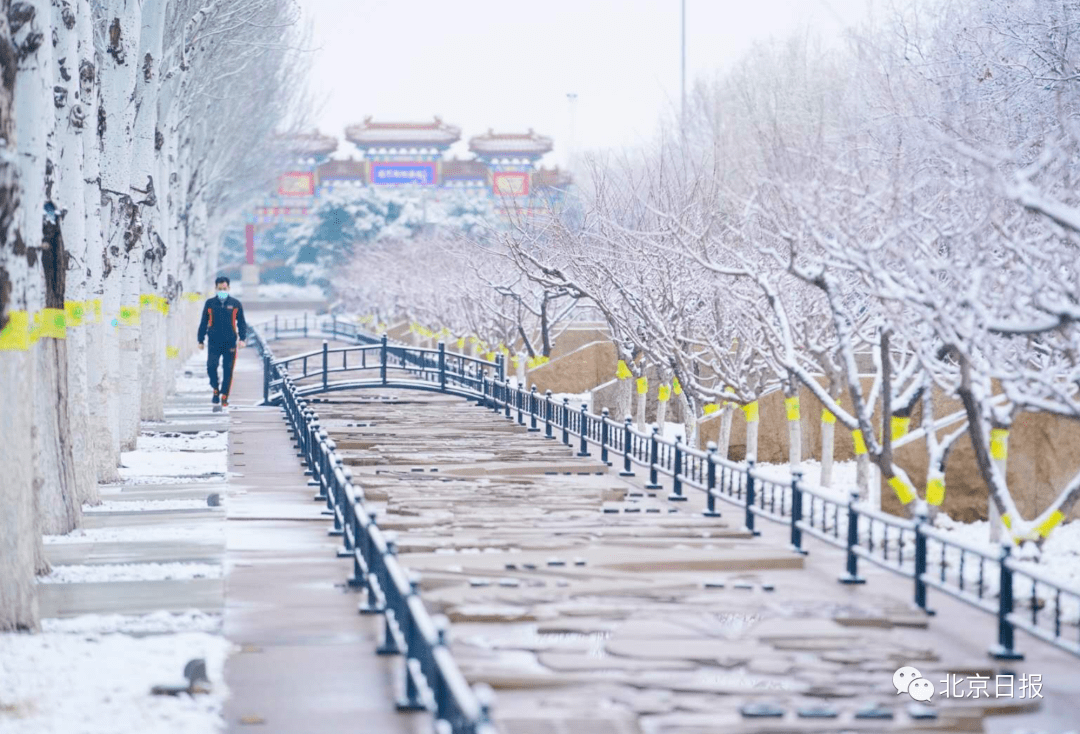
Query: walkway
x=593 y=604
x=306 y=660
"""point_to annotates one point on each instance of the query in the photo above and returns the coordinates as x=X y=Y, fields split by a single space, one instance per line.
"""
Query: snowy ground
x=93 y=674
x=112 y=572
x=90 y=682
x=199 y=533
x=171 y=455
x=144 y=505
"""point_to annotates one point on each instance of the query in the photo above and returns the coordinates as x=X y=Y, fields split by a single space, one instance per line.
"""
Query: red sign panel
x=507 y=183
x=296 y=184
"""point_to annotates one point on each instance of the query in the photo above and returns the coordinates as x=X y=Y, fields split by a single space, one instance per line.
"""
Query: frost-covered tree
x=125 y=138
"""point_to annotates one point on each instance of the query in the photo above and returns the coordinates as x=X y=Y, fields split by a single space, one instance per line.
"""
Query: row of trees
x=127 y=138
x=461 y=284
x=891 y=224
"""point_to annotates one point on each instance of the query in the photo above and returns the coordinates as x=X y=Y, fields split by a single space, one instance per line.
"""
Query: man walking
x=223 y=322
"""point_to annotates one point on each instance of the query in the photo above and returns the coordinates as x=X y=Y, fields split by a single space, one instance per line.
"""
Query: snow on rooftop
x=369 y=133
x=528 y=142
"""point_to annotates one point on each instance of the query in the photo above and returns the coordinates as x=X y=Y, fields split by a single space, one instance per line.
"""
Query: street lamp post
x=682 y=74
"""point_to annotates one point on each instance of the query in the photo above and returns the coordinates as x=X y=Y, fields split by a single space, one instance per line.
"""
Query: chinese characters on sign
x=403 y=173
x=296 y=184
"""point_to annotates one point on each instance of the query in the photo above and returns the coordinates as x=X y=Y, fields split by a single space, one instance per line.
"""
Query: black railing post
x=266 y=378
x=920 y=559
x=389 y=644
x=627 y=448
x=1005 y=648
x=583 y=449
x=275 y=326
x=325 y=364
x=520 y=400
x=500 y=362
x=604 y=437
x=676 y=473
x=532 y=410
x=750 y=498
x=796 y=511
x=442 y=366
x=547 y=415
x=507 y=396
x=383 y=354
x=367 y=550
x=566 y=421
x=851 y=576
x=654 y=459
x=710 y=480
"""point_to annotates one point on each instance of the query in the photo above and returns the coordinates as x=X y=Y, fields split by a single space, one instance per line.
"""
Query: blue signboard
x=403 y=173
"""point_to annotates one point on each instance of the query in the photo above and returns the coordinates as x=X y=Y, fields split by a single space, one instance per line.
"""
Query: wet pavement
x=592 y=604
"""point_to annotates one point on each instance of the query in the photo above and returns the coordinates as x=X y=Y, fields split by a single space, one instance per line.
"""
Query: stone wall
x=1044 y=451
x=577 y=371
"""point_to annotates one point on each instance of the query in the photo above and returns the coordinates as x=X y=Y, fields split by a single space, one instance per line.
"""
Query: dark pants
x=226 y=354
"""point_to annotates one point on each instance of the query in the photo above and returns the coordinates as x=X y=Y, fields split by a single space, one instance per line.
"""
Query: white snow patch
x=201 y=533
x=143 y=463
x=198 y=383
x=61 y=683
x=146 y=505
x=138 y=481
x=96 y=573
x=160 y=622
x=172 y=441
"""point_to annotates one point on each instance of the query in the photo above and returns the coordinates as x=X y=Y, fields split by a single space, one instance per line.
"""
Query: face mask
x=222 y=295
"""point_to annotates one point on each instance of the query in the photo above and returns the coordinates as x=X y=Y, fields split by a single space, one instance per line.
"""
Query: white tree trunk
x=70 y=198
x=999 y=450
x=690 y=425
x=117 y=79
x=59 y=508
x=794 y=421
x=725 y=430
x=101 y=343
x=639 y=411
x=20 y=540
x=752 y=440
x=828 y=432
x=519 y=370
x=624 y=398
x=661 y=415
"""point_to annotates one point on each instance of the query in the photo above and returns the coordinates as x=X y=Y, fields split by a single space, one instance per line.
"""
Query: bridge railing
x=910 y=548
x=429 y=678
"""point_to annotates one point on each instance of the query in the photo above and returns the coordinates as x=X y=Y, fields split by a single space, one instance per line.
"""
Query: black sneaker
x=217 y=398
x=224 y=401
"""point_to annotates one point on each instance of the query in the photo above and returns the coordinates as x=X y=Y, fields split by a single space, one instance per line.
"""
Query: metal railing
x=430 y=678
x=909 y=548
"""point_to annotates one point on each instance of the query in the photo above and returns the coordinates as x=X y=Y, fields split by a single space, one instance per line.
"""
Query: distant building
x=504 y=166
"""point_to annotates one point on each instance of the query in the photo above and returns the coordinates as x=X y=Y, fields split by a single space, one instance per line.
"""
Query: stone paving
x=305 y=660
x=591 y=604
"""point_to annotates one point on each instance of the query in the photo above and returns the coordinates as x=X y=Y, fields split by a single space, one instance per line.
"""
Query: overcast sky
x=509 y=65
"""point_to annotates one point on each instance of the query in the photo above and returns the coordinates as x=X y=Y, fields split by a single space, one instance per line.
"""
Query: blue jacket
x=222 y=321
